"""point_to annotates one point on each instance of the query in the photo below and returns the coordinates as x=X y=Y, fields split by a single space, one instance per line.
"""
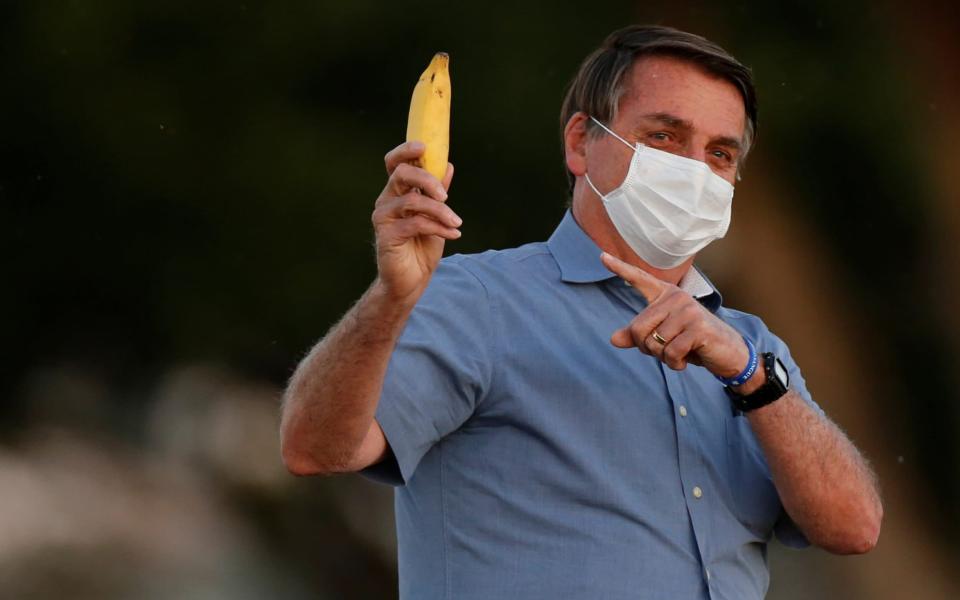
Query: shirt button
x=707 y=572
x=697 y=492
x=683 y=411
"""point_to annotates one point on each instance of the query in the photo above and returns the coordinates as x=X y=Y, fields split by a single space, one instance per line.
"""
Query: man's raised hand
x=411 y=222
x=687 y=332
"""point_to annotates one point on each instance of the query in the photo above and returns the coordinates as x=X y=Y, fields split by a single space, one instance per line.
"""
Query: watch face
x=781 y=372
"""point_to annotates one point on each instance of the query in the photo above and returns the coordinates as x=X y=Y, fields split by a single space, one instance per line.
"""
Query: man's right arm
x=327 y=424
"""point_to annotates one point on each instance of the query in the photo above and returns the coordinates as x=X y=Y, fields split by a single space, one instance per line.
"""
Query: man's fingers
x=413 y=203
x=667 y=322
x=421 y=225
x=643 y=282
x=622 y=338
x=641 y=326
x=668 y=318
x=675 y=353
x=404 y=153
x=448 y=177
x=408 y=177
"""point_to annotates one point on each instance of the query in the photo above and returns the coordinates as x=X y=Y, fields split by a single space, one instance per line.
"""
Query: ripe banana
x=429 y=119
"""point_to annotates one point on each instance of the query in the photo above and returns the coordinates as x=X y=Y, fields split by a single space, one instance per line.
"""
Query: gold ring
x=658 y=338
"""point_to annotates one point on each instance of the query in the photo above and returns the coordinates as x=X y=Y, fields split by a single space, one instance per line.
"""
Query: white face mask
x=668 y=207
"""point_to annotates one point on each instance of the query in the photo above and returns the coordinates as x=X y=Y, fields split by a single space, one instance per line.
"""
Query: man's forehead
x=649 y=69
x=675 y=88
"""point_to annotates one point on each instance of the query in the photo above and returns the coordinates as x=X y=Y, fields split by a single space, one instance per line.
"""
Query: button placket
x=692 y=475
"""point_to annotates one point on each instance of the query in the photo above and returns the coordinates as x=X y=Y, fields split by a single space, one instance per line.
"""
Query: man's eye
x=723 y=155
x=660 y=136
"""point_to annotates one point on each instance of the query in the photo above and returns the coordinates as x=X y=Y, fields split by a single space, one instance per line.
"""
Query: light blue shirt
x=534 y=459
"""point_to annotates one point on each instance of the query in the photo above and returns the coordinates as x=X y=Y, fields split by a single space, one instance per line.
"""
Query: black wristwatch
x=778 y=380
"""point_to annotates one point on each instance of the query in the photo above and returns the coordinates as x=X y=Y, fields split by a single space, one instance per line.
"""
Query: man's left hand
x=687 y=332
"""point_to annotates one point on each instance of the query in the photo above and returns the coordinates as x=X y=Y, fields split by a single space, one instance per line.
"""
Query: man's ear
x=574 y=144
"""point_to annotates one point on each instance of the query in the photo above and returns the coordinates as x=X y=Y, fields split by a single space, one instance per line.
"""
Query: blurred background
x=185 y=191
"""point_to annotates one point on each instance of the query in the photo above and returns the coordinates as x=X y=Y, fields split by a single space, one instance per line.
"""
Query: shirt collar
x=695 y=284
x=576 y=254
x=578 y=257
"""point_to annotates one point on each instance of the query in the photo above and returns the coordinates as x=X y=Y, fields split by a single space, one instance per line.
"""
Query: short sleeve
x=774 y=344
x=438 y=371
x=788 y=533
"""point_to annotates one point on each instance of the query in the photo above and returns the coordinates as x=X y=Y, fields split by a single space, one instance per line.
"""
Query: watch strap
x=772 y=389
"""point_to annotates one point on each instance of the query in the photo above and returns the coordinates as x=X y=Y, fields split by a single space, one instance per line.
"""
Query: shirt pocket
x=756 y=501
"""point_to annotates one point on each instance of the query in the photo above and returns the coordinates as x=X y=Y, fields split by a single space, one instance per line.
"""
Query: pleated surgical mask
x=668 y=207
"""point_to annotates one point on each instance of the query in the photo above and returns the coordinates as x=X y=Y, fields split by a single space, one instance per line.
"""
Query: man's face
x=674 y=106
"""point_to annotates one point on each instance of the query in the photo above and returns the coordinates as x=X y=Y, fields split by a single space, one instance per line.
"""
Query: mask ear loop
x=596 y=191
x=611 y=132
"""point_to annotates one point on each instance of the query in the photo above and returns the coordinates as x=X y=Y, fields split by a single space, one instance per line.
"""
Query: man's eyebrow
x=668 y=119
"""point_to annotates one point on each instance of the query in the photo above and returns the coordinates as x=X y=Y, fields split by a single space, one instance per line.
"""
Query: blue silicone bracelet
x=748 y=372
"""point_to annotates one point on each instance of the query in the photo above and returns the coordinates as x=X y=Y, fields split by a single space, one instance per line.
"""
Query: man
x=534 y=456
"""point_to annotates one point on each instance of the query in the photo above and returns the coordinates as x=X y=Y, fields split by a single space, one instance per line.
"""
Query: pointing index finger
x=644 y=282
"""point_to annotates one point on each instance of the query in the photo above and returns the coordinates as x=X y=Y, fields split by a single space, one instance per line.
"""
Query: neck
x=592 y=217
